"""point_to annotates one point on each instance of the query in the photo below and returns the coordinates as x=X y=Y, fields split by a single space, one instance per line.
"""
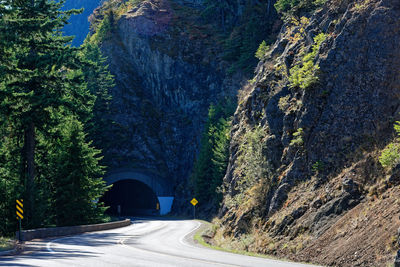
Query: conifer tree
x=40 y=76
x=76 y=176
x=99 y=83
x=212 y=161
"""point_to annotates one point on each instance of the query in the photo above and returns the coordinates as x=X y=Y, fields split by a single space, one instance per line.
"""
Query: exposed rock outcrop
x=322 y=139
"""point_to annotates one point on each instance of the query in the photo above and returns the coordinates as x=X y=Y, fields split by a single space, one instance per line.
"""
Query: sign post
x=194 y=203
x=20 y=214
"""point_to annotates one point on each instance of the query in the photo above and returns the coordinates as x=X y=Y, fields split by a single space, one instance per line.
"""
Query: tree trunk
x=30 y=170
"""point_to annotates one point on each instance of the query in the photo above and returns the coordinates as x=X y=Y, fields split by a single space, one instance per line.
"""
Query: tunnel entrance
x=133 y=197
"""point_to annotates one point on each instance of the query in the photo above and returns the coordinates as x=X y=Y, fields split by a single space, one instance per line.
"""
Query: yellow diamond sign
x=194 y=202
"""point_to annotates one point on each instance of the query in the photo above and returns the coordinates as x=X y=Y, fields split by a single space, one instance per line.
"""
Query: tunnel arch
x=161 y=186
x=131 y=198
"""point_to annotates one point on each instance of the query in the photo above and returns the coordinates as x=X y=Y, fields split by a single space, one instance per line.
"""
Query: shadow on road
x=37 y=251
x=76 y=246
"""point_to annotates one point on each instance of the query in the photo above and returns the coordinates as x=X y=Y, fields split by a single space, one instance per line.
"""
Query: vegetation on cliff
x=391 y=154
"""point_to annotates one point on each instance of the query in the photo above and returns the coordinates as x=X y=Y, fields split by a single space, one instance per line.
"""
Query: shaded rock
x=279 y=197
x=349 y=186
x=283 y=227
x=323 y=217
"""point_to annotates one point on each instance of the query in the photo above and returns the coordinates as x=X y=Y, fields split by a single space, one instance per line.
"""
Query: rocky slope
x=319 y=193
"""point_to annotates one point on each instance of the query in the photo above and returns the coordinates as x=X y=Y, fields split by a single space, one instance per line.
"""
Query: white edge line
x=48 y=246
x=181 y=240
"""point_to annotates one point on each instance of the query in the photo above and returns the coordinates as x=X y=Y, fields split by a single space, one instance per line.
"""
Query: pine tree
x=220 y=155
x=99 y=83
x=76 y=176
x=212 y=161
x=40 y=76
x=10 y=167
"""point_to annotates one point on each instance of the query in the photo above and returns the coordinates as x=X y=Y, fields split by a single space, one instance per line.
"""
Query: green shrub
x=305 y=75
x=298 y=138
x=251 y=160
x=283 y=103
x=284 y=5
x=391 y=154
x=318 y=166
x=262 y=50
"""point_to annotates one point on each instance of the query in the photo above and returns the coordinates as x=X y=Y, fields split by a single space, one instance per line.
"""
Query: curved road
x=144 y=243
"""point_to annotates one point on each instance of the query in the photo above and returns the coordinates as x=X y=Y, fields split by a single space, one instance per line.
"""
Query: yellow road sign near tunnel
x=20 y=208
x=194 y=202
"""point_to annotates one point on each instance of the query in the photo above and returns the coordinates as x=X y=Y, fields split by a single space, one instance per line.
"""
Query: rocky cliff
x=168 y=69
x=314 y=119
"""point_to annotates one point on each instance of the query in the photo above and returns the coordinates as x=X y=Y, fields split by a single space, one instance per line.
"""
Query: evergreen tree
x=76 y=176
x=10 y=167
x=41 y=77
x=99 y=83
x=220 y=154
x=41 y=84
x=212 y=161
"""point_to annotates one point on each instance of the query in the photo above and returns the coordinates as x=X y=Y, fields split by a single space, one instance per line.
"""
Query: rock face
x=166 y=78
x=321 y=143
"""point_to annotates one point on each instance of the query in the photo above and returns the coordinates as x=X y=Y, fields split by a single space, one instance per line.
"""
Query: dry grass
x=6 y=244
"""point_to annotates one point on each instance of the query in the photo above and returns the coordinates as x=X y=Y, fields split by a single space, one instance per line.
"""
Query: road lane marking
x=122 y=243
x=181 y=240
x=175 y=256
x=48 y=246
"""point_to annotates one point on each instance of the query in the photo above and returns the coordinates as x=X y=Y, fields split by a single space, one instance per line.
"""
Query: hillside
x=314 y=121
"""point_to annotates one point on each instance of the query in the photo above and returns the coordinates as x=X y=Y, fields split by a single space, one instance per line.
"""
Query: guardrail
x=69 y=230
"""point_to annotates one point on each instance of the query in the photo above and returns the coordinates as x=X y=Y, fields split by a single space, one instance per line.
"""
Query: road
x=144 y=243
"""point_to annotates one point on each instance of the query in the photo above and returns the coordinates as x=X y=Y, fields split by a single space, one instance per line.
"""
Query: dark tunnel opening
x=133 y=198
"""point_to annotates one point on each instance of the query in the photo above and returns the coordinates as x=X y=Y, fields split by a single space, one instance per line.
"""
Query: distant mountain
x=79 y=24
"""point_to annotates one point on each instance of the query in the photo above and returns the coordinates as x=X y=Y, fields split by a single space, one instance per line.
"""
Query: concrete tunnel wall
x=162 y=188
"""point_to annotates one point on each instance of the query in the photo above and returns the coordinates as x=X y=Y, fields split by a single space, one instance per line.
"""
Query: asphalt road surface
x=145 y=243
